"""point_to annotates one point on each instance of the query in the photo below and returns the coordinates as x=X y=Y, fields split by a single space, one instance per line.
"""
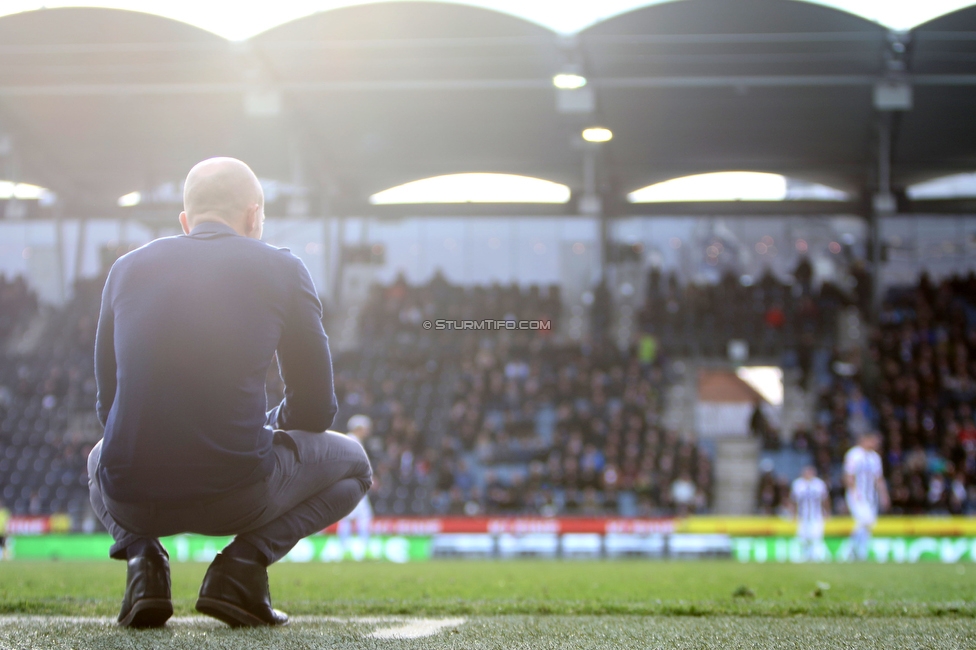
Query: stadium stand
x=524 y=414
x=525 y=422
x=47 y=422
x=915 y=384
x=523 y=444
x=770 y=315
x=17 y=304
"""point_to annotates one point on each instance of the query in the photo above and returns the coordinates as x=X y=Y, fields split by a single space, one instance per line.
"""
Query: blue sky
x=229 y=19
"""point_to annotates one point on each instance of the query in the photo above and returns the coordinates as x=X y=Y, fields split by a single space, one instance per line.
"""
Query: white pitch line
x=403 y=627
x=17 y=619
x=417 y=629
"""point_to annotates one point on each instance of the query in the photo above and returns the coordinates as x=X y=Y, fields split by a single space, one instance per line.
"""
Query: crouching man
x=187 y=330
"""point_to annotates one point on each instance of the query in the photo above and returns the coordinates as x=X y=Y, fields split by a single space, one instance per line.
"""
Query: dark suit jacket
x=188 y=328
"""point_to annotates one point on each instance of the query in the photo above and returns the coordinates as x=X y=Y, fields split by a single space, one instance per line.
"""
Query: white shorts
x=865 y=514
x=811 y=530
x=362 y=513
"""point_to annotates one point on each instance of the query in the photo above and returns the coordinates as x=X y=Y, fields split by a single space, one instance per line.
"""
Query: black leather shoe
x=236 y=592
x=147 y=600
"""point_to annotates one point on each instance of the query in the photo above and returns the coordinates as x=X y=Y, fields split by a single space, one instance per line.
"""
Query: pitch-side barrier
x=746 y=539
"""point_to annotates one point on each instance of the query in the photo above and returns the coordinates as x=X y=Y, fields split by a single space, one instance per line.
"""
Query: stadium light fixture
x=474 y=188
x=597 y=134
x=22 y=191
x=129 y=200
x=568 y=81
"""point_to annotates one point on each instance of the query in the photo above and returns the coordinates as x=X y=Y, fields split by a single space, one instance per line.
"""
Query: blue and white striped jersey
x=808 y=497
x=865 y=466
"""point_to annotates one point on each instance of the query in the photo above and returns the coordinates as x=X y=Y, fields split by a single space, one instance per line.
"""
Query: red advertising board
x=515 y=525
x=23 y=525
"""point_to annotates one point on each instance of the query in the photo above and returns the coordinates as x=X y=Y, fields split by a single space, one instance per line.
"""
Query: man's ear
x=252 y=222
x=184 y=223
x=250 y=219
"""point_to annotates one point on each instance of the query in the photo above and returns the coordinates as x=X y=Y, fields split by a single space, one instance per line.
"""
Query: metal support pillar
x=883 y=206
x=80 y=247
x=591 y=204
x=340 y=263
x=59 y=253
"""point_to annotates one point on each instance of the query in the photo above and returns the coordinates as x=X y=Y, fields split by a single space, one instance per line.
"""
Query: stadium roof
x=937 y=137
x=102 y=102
x=558 y=15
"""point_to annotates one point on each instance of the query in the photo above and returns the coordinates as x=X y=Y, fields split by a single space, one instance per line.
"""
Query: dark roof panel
x=732 y=17
x=937 y=137
x=408 y=40
x=403 y=21
x=93 y=25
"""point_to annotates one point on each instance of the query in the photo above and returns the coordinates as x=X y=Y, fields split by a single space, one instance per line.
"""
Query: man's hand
x=884 y=501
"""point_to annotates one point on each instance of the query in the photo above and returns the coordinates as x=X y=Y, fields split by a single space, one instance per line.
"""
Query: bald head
x=224 y=190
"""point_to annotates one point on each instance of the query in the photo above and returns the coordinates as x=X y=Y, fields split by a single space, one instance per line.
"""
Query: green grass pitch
x=531 y=604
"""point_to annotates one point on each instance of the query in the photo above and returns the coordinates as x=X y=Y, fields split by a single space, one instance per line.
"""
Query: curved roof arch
x=406 y=19
x=743 y=107
x=736 y=16
x=566 y=20
x=936 y=138
x=97 y=45
x=88 y=25
x=945 y=45
x=408 y=39
x=443 y=61
x=962 y=19
x=91 y=145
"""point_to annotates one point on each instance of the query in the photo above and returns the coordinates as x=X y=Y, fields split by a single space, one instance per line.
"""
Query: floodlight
x=130 y=199
x=597 y=134
x=22 y=191
x=568 y=81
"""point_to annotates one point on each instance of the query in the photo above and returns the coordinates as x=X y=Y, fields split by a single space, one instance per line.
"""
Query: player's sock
x=144 y=546
x=820 y=551
x=343 y=531
x=804 y=550
x=364 y=534
x=852 y=554
x=245 y=551
x=860 y=543
x=865 y=544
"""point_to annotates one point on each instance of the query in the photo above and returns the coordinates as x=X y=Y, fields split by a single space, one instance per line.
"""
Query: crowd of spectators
x=772 y=316
x=915 y=383
x=504 y=421
x=401 y=308
x=922 y=376
x=585 y=420
x=17 y=305
x=47 y=422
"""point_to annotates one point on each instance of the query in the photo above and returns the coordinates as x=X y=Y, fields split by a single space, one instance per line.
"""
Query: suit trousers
x=318 y=479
